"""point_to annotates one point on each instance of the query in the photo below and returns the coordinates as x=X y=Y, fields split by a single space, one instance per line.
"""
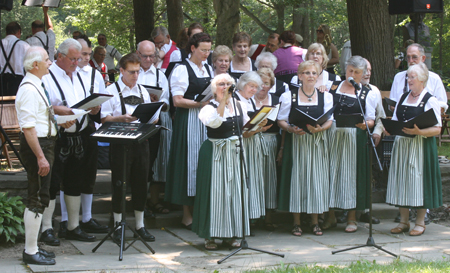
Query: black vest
x=229 y=127
x=314 y=111
x=196 y=85
x=346 y=104
x=237 y=75
x=405 y=112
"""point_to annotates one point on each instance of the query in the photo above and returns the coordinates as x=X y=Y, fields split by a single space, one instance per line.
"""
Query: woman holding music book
x=218 y=206
x=271 y=139
x=304 y=183
x=414 y=175
x=187 y=81
x=349 y=153
x=255 y=150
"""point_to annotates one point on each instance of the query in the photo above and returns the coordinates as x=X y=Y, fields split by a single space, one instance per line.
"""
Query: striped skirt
x=162 y=160
x=414 y=175
x=255 y=153
x=270 y=140
x=218 y=205
x=349 y=169
x=304 y=184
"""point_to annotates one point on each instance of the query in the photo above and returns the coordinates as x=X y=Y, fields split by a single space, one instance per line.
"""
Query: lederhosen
x=137 y=163
x=10 y=81
x=38 y=186
x=237 y=75
x=74 y=152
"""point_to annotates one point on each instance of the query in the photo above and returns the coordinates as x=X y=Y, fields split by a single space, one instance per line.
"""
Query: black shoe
x=365 y=218
x=79 y=235
x=343 y=218
x=93 y=226
x=117 y=235
x=145 y=235
x=62 y=229
x=37 y=258
x=48 y=237
x=46 y=253
x=427 y=219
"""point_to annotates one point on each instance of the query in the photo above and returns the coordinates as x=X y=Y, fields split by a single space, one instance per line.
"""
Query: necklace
x=310 y=96
x=414 y=97
x=261 y=101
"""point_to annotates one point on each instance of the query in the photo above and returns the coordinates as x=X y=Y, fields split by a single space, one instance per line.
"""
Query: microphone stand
x=370 y=241
x=244 y=244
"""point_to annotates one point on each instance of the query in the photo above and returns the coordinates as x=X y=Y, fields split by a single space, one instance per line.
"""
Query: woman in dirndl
x=304 y=183
x=187 y=81
x=414 y=175
x=349 y=153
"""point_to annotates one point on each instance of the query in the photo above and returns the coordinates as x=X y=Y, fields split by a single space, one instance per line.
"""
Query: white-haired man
x=37 y=123
x=74 y=151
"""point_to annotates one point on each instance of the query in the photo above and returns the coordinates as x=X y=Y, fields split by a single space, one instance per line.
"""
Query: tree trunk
x=372 y=38
x=300 y=22
x=144 y=13
x=279 y=8
x=228 y=20
x=174 y=17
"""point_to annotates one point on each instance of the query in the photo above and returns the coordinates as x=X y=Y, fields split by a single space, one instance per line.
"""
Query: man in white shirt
x=415 y=54
x=37 y=140
x=92 y=80
x=271 y=45
x=111 y=54
x=11 y=59
x=127 y=96
x=151 y=76
x=161 y=38
x=74 y=151
x=42 y=39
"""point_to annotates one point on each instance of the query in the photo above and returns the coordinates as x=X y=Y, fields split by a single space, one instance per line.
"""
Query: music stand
x=148 y=132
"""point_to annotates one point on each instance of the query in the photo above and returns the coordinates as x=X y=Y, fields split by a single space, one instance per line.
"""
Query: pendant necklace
x=309 y=97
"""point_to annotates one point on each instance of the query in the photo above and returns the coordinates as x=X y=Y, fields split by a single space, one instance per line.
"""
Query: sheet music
x=274 y=113
x=155 y=116
x=154 y=90
x=206 y=95
x=92 y=101
x=39 y=3
x=64 y=119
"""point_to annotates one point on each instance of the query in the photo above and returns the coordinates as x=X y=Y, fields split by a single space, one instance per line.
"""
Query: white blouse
x=371 y=102
x=179 y=79
x=286 y=101
x=209 y=116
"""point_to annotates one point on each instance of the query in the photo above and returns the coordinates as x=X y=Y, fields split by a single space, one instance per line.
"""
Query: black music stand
x=149 y=131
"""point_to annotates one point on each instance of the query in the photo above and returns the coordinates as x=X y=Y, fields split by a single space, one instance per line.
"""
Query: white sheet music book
x=39 y=3
x=64 y=119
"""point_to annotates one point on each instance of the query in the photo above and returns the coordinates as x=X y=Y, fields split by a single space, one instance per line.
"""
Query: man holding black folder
x=127 y=96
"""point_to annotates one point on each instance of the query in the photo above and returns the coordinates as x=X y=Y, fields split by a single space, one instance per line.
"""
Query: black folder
x=424 y=120
x=93 y=100
x=390 y=102
x=301 y=119
x=205 y=95
x=348 y=121
x=145 y=111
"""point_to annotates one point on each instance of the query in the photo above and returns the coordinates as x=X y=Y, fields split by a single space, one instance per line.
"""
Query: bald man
x=42 y=39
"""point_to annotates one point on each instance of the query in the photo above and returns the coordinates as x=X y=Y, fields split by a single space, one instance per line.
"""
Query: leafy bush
x=11 y=217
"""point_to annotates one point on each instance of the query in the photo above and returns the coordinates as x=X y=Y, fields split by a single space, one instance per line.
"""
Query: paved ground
x=180 y=250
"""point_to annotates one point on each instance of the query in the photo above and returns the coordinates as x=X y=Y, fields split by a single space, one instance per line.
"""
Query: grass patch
x=397 y=266
x=444 y=149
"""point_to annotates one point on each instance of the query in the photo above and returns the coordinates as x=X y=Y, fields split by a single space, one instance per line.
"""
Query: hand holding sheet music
x=266 y=112
x=66 y=118
x=157 y=91
x=422 y=121
x=206 y=95
x=148 y=112
x=302 y=120
x=93 y=100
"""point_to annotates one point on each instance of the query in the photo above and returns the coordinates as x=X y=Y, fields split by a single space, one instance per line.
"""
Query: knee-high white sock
x=139 y=217
x=73 y=211
x=117 y=217
x=86 y=207
x=32 y=223
x=47 y=216
x=63 y=206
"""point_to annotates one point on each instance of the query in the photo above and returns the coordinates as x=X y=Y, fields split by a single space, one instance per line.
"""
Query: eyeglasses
x=309 y=73
x=319 y=31
x=266 y=84
x=413 y=57
x=204 y=50
x=316 y=53
x=412 y=77
x=132 y=72
x=73 y=60
x=223 y=84
x=147 y=56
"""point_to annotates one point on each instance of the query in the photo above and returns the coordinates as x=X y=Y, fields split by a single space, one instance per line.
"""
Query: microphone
x=231 y=88
x=353 y=83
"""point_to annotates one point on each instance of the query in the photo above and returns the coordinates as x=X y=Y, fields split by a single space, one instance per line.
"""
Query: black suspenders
x=7 y=58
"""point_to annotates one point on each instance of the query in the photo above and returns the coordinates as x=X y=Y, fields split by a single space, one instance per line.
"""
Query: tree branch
x=264 y=3
x=251 y=15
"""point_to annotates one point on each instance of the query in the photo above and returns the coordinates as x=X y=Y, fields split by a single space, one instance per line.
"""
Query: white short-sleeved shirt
x=431 y=103
x=149 y=78
x=273 y=89
x=72 y=89
x=179 y=79
x=434 y=86
x=32 y=110
x=113 y=106
x=286 y=102
x=371 y=102
x=34 y=41
x=209 y=116
x=17 y=55
x=86 y=76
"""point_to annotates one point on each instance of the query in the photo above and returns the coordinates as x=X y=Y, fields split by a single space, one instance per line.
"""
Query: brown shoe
x=398 y=229
x=415 y=232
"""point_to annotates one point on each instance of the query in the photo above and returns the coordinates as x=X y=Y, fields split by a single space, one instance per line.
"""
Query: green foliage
x=11 y=217
x=24 y=15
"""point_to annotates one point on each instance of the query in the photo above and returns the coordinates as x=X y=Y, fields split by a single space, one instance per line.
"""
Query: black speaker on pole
x=415 y=6
x=6 y=4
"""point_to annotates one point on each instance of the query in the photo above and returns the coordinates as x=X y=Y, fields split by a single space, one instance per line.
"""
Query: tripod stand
x=370 y=241
x=244 y=243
